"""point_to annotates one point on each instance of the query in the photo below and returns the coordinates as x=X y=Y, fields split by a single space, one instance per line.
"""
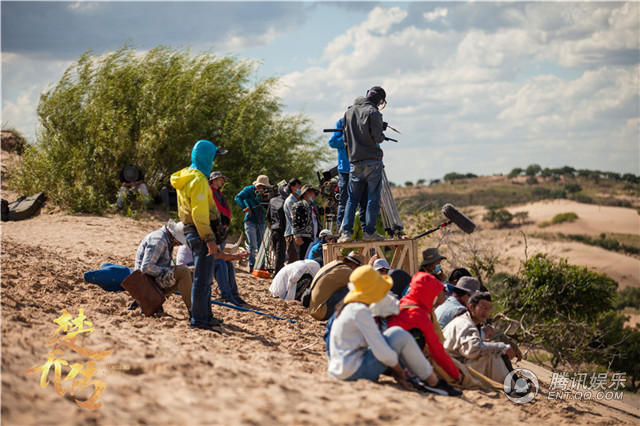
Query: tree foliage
x=125 y=108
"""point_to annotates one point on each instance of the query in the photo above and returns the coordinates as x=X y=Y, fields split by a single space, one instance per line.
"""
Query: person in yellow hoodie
x=196 y=209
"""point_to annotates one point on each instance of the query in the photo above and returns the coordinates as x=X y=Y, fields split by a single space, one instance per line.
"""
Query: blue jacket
x=247 y=198
x=314 y=252
x=337 y=142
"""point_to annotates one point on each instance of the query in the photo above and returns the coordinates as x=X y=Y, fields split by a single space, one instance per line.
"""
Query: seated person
x=382 y=266
x=329 y=286
x=154 y=259
x=132 y=179
x=357 y=348
x=314 y=252
x=457 y=303
x=224 y=272
x=401 y=280
x=454 y=276
x=431 y=259
x=464 y=340
x=285 y=283
x=415 y=316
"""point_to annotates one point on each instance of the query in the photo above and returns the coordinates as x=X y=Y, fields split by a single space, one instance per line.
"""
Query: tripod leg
x=390 y=215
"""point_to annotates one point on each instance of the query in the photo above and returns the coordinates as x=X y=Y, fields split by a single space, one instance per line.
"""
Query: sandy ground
x=258 y=371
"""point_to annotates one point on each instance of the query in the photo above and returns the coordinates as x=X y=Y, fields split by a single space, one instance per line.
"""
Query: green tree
x=514 y=173
x=533 y=169
x=420 y=182
x=408 y=183
x=124 y=108
x=499 y=217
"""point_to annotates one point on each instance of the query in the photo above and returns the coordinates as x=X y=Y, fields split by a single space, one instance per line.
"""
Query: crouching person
x=154 y=259
x=464 y=340
x=357 y=348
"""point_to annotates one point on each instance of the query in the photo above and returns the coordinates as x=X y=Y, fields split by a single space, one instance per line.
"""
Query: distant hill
x=501 y=190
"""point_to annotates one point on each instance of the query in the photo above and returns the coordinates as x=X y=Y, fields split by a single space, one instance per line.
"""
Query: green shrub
x=124 y=108
x=499 y=217
x=572 y=188
x=564 y=217
x=628 y=297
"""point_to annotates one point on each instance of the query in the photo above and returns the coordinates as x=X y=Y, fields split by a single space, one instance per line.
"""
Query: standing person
x=305 y=222
x=337 y=142
x=254 y=215
x=196 y=209
x=216 y=182
x=278 y=223
x=290 y=240
x=363 y=131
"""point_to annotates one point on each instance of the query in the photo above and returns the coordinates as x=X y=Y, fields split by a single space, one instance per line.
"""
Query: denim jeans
x=254 y=233
x=202 y=279
x=409 y=355
x=226 y=279
x=343 y=191
x=365 y=180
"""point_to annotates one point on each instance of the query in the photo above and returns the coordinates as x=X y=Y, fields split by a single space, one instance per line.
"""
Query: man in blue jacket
x=337 y=142
x=254 y=215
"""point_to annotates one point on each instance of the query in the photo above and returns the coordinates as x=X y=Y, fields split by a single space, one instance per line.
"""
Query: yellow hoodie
x=195 y=201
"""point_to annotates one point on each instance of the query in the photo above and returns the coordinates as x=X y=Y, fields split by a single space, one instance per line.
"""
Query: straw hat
x=355 y=257
x=262 y=180
x=306 y=188
x=369 y=286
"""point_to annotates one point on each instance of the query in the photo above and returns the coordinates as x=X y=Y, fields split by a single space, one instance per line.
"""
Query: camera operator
x=363 y=132
x=277 y=223
x=254 y=226
x=337 y=142
x=294 y=196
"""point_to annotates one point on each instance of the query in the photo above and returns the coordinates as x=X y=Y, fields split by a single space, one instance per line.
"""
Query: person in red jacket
x=415 y=309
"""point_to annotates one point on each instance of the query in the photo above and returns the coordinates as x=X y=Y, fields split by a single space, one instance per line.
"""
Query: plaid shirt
x=154 y=257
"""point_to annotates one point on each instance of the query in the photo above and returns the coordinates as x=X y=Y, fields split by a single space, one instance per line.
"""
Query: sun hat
x=355 y=257
x=369 y=286
x=431 y=255
x=306 y=188
x=325 y=233
x=469 y=285
x=177 y=231
x=262 y=180
x=381 y=264
x=216 y=175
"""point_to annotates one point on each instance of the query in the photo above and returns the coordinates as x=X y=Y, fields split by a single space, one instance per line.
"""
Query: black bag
x=25 y=207
x=5 y=210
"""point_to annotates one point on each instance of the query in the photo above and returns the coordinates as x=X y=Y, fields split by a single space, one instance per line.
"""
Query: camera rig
x=329 y=189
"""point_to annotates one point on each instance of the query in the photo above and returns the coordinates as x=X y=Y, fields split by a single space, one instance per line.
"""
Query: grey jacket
x=363 y=131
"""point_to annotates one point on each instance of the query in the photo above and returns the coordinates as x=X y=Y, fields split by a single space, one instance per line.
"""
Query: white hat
x=325 y=233
x=177 y=230
x=381 y=264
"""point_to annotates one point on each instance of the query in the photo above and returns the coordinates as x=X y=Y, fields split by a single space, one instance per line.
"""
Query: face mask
x=438 y=269
x=311 y=200
x=298 y=191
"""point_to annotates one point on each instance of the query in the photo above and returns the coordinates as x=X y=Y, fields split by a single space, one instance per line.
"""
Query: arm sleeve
x=240 y=198
x=376 y=341
x=149 y=264
x=472 y=346
x=375 y=126
x=200 y=209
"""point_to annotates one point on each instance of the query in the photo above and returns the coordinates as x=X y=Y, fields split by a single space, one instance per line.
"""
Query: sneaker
x=132 y=306
x=207 y=327
x=372 y=237
x=239 y=300
x=345 y=237
x=441 y=388
x=213 y=322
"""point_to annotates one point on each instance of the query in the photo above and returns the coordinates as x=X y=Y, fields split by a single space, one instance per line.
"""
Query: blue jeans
x=226 y=279
x=343 y=191
x=254 y=233
x=202 y=278
x=365 y=180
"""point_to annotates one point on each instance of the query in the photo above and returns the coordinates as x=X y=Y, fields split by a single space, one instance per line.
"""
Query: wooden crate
x=405 y=252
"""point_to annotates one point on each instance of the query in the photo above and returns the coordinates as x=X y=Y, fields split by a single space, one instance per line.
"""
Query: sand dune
x=258 y=371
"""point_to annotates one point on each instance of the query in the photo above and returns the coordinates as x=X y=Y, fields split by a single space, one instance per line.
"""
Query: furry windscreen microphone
x=457 y=217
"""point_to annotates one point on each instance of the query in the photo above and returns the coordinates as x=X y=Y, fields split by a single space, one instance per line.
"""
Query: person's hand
x=247 y=210
x=373 y=259
x=510 y=352
x=488 y=332
x=384 y=125
x=398 y=374
x=213 y=247
x=299 y=241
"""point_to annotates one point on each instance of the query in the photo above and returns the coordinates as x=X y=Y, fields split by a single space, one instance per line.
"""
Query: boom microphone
x=455 y=216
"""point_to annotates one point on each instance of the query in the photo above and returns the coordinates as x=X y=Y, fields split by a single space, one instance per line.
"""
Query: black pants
x=302 y=249
x=292 y=248
x=279 y=248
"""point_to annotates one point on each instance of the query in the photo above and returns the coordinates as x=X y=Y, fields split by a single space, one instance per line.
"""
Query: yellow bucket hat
x=369 y=286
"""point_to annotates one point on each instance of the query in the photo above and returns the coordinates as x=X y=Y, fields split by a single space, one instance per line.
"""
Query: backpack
x=25 y=207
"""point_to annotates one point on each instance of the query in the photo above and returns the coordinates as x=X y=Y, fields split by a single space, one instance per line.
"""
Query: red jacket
x=423 y=290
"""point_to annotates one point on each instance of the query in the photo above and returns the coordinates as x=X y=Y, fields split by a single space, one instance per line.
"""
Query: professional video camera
x=329 y=190
x=265 y=194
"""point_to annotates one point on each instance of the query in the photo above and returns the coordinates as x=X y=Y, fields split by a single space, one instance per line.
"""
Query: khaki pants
x=183 y=283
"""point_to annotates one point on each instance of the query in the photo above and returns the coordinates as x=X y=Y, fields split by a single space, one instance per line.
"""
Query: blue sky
x=474 y=87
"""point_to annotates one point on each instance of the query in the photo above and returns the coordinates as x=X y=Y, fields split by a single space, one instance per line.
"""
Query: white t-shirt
x=284 y=283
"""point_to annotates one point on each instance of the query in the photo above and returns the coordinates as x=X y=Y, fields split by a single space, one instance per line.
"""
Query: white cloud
x=437 y=13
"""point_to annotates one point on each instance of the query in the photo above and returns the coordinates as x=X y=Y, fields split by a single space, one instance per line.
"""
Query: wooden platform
x=404 y=253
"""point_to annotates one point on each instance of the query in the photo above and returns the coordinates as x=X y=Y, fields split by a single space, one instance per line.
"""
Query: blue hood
x=202 y=156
